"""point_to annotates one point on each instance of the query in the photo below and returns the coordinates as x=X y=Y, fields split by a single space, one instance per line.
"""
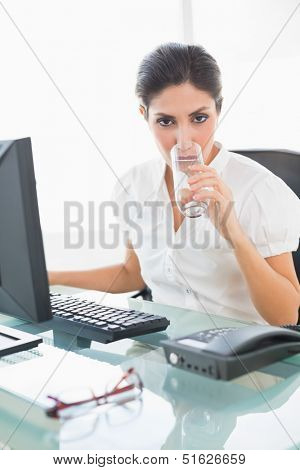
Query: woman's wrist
x=237 y=238
x=56 y=278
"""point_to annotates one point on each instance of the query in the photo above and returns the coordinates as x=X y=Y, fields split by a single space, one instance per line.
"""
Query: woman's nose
x=184 y=137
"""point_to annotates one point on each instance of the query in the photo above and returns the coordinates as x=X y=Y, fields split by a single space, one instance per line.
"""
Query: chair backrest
x=286 y=165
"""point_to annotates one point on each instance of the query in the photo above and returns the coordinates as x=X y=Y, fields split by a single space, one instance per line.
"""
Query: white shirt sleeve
x=271 y=217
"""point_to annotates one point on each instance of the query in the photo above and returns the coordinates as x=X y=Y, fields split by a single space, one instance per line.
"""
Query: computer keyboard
x=100 y=323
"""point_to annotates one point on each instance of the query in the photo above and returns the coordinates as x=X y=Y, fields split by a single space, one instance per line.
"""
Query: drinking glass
x=183 y=156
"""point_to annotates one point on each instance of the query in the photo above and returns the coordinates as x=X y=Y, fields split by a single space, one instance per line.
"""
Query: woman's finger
x=196 y=175
x=200 y=175
x=204 y=182
x=203 y=168
x=207 y=194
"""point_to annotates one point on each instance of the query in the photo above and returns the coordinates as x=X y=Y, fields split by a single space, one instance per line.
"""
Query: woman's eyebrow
x=203 y=108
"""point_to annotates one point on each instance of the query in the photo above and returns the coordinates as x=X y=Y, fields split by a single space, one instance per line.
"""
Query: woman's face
x=182 y=113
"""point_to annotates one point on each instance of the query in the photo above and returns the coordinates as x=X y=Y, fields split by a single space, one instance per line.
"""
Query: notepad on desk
x=51 y=370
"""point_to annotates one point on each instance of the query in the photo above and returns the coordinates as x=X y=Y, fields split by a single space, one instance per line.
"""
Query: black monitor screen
x=24 y=290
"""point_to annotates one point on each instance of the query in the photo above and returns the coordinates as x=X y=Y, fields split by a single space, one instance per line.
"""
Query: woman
x=236 y=262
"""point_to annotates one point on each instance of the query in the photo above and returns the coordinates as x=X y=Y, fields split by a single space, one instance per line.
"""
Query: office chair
x=283 y=163
x=286 y=165
x=145 y=294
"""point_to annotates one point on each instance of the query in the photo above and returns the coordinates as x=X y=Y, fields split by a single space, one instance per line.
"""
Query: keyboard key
x=58 y=304
x=114 y=317
x=138 y=322
x=83 y=310
x=91 y=309
x=113 y=327
x=131 y=317
x=118 y=317
x=154 y=317
x=101 y=323
x=129 y=323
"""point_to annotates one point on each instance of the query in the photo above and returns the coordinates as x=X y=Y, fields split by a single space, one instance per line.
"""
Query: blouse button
x=188 y=291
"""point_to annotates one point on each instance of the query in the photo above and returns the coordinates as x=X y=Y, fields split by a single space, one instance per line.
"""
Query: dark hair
x=173 y=64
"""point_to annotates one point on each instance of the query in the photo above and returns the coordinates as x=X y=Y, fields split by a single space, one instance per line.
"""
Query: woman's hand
x=221 y=204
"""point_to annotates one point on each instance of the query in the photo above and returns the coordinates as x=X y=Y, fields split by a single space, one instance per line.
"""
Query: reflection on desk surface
x=25 y=426
x=192 y=412
x=214 y=414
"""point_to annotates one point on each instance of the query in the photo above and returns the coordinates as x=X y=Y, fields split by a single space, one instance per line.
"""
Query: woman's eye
x=201 y=118
x=163 y=122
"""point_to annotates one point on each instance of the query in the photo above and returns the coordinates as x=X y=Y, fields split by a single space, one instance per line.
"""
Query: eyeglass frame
x=53 y=412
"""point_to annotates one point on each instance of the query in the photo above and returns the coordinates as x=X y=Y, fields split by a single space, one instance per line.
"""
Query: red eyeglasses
x=75 y=402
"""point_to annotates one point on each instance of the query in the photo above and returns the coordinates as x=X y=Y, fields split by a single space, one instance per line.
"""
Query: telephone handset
x=251 y=338
x=229 y=352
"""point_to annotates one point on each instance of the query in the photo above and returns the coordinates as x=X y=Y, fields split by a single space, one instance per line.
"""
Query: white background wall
x=68 y=70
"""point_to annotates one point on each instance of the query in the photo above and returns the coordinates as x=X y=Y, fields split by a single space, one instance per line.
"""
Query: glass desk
x=179 y=409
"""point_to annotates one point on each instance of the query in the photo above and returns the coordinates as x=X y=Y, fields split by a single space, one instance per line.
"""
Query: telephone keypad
x=207 y=336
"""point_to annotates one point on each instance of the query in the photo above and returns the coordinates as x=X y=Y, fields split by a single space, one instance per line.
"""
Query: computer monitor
x=24 y=290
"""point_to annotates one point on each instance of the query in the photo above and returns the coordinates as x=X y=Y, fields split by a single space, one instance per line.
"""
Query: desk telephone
x=226 y=353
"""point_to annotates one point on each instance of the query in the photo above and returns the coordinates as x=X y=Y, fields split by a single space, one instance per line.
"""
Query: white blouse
x=196 y=267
